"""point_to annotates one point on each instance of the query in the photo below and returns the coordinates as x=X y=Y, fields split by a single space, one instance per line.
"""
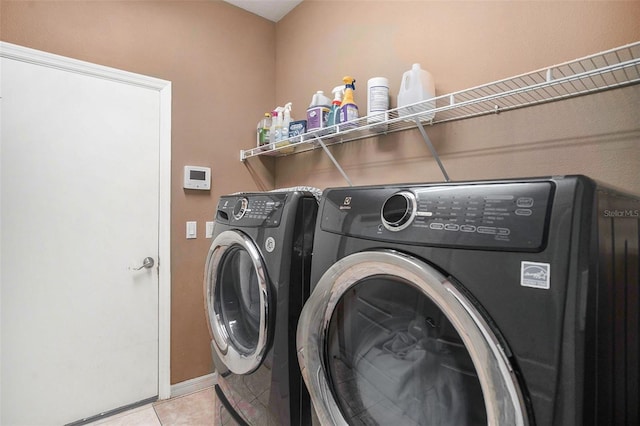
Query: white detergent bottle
x=417 y=85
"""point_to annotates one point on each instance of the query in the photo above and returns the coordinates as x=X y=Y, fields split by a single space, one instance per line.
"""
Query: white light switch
x=209 y=230
x=191 y=230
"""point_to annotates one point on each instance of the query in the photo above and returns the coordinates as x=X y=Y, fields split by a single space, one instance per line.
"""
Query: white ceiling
x=273 y=10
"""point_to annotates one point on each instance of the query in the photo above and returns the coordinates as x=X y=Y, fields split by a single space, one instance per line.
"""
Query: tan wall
x=463 y=44
x=214 y=54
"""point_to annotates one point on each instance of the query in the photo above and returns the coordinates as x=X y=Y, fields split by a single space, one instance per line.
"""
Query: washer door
x=386 y=339
x=237 y=301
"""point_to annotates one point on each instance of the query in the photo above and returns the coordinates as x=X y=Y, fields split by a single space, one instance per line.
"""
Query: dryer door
x=386 y=339
x=237 y=301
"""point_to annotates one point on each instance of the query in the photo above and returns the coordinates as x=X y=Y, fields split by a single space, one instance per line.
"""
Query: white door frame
x=163 y=87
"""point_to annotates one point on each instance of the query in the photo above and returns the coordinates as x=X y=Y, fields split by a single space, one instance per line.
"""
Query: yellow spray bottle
x=348 y=107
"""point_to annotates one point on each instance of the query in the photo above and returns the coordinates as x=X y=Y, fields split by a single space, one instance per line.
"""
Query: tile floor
x=194 y=409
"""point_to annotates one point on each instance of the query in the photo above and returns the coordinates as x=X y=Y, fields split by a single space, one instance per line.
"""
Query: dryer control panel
x=251 y=210
x=492 y=215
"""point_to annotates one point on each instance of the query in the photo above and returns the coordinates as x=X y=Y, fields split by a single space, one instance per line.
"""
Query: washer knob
x=399 y=210
x=240 y=208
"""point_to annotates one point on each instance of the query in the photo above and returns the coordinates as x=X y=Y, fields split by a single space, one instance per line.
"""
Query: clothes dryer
x=256 y=281
x=508 y=303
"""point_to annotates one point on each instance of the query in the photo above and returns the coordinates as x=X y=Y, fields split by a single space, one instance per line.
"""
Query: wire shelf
x=607 y=70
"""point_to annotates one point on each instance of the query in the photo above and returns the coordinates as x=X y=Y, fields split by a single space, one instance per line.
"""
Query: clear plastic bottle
x=276 y=124
x=283 y=134
x=263 y=130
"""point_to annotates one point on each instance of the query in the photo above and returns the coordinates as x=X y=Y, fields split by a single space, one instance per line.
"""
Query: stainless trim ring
x=236 y=361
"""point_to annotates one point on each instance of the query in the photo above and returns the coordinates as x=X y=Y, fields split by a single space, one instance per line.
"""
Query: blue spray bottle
x=334 y=112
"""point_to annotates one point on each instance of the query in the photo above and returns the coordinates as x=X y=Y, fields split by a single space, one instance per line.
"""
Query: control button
x=436 y=225
x=399 y=210
x=240 y=208
x=424 y=214
x=467 y=228
x=523 y=212
x=487 y=230
x=504 y=231
x=451 y=227
x=526 y=202
x=497 y=197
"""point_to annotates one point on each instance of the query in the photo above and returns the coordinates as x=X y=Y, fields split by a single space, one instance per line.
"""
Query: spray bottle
x=348 y=107
x=334 y=112
x=286 y=121
x=284 y=129
x=276 y=124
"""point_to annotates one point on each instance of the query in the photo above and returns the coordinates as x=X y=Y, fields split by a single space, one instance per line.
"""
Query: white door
x=80 y=209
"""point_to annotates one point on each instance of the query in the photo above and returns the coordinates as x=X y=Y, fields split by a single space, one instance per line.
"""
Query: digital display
x=197 y=174
x=197 y=178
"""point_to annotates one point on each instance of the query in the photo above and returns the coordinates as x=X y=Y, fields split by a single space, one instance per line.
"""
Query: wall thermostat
x=197 y=178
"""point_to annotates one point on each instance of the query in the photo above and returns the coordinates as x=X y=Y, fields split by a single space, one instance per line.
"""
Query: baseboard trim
x=194 y=385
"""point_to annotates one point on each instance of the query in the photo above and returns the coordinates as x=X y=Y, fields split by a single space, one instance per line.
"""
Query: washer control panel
x=492 y=215
x=251 y=209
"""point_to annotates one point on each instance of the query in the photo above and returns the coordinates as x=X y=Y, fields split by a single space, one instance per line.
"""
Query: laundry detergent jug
x=416 y=87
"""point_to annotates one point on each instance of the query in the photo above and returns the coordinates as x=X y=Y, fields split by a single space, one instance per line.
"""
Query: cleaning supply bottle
x=377 y=102
x=276 y=124
x=286 y=121
x=263 y=130
x=348 y=107
x=334 y=112
x=282 y=129
x=417 y=86
x=318 y=111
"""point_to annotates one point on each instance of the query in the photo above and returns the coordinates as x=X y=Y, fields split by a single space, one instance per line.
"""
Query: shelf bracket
x=431 y=148
x=332 y=158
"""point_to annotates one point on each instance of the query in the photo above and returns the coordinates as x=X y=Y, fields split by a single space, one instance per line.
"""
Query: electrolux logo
x=535 y=274
x=346 y=204
x=629 y=213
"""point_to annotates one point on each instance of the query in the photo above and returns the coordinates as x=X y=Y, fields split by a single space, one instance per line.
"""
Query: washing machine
x=511 y=302
x=256 y=281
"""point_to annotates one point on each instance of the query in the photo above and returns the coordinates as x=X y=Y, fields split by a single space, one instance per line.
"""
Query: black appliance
x=511 y=302
x=256 y=282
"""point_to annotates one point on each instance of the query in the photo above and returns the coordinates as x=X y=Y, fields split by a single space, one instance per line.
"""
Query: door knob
x=146 y=263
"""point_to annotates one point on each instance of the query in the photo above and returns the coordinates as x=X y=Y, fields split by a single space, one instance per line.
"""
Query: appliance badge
x=270 y=244
x=535 y=274
x=346 y=204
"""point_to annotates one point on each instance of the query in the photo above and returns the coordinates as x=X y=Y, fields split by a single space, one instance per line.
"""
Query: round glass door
x=386 y=340
x=236 y=293
x=394 y=358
